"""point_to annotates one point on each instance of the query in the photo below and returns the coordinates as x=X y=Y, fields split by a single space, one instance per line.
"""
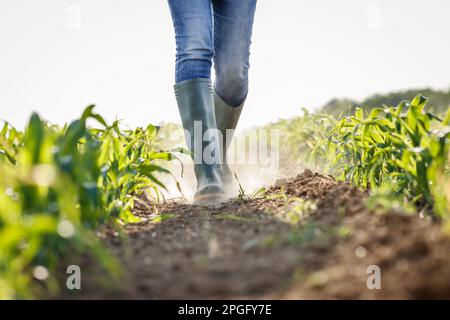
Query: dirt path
x=252 y=249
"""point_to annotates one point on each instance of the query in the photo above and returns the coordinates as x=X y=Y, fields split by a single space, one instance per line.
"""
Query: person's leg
x=192 y=21
x=193 y=90
x=233 y=24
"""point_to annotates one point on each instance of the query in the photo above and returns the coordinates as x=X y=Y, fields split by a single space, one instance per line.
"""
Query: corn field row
x=59 y=184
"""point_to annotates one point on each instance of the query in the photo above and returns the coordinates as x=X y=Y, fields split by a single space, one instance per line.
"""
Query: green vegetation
x=400 y=152
x=57 y=185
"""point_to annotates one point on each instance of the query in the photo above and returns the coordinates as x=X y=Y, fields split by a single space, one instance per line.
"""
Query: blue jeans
x=218 y=31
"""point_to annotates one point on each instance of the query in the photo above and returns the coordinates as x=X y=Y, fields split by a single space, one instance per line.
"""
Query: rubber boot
x=227 y=117
x=196 y=105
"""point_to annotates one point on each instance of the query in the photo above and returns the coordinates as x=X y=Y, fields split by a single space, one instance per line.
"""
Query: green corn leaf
x=419 y=102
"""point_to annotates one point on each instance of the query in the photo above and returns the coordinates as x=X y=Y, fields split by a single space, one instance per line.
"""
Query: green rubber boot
x=227 y=117
x=196 y=106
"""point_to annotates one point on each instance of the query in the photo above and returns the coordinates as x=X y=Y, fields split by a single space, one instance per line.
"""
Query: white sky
x=57 y=56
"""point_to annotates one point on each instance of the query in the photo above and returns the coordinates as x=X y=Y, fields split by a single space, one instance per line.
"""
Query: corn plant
x=10 y=140
x=403 y=149
x=58 y=184
x=404 y=146
x=303 y=140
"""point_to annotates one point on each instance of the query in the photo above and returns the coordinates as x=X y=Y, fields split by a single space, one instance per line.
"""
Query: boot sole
x=212 y=198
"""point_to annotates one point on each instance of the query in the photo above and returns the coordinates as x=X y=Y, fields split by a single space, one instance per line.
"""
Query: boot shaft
x=196 y=106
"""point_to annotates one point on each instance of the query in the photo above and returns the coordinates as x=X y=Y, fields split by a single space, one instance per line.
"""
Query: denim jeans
x=218 y=31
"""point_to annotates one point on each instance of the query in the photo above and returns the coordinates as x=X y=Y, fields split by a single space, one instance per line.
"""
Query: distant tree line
x=439 y=102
